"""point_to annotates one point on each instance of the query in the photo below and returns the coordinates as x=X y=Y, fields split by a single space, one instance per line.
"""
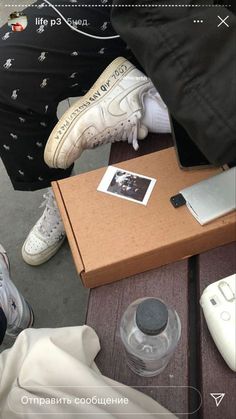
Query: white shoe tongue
x=142 y=132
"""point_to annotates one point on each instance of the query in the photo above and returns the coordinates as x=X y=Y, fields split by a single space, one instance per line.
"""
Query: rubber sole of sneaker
x=107 y=80
x=43 y=257
x=4 y=253
x=30 y=324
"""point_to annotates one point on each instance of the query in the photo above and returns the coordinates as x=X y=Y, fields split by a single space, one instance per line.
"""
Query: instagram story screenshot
x=117 y=209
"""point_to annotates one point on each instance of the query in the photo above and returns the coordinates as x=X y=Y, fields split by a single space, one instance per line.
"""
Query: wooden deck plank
x=105 y=308
x=216 y=376
x=154 y=142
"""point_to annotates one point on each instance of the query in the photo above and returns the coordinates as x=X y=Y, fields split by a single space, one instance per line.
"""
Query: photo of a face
x=17 y=21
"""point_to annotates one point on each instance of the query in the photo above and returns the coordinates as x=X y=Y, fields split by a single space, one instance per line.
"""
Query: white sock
x=156 y=117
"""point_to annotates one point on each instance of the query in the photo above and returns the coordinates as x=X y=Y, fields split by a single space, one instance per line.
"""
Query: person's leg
x=29 y=93
x=15 y=313
x=39 y=67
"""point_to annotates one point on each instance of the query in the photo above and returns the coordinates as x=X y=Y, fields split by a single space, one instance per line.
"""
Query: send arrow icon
x=218 y=397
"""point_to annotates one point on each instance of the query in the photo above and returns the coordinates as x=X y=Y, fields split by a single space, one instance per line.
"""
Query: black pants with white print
x=41 y=66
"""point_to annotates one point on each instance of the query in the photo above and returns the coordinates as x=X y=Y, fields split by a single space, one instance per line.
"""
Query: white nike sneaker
x=111 y=111
x=18 y=313
x=47 y=236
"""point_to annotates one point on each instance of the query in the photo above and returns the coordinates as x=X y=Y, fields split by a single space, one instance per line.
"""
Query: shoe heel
x=14 y=331
x=31 y=322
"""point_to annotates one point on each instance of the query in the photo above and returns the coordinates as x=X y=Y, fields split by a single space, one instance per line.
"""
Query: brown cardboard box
x=113 y=238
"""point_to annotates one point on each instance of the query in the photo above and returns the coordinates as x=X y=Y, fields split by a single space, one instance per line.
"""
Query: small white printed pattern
x=40 y=29
x=42 y=56
x=6 y=36
x=73 y=75
x=8 y=63
x=40 y=6
x=14 y=94
x=7 y=147
x=104 y=26
x=44 y=83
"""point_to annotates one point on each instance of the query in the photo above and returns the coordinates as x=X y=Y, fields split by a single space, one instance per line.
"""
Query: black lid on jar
x=152 y=316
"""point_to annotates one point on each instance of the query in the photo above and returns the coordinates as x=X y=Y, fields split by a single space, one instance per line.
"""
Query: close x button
x=223 y=21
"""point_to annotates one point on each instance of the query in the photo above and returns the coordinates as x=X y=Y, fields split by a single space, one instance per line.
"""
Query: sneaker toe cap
x=34 y=245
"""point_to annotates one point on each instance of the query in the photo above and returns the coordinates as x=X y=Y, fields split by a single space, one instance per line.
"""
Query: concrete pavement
x=54 y=289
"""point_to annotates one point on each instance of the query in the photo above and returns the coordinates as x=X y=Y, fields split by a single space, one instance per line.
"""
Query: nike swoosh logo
x=114 y=106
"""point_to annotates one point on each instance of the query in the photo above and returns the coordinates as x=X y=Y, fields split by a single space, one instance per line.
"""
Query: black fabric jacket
x=193 y=66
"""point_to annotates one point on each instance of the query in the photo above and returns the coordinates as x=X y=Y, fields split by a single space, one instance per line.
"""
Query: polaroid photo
x=127 y=185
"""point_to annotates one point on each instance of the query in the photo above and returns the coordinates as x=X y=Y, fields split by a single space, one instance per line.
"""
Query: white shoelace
x=125 y=131
x=50 y=219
